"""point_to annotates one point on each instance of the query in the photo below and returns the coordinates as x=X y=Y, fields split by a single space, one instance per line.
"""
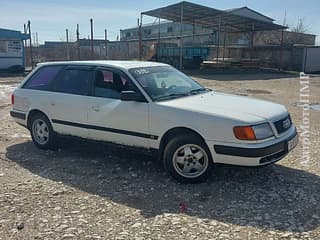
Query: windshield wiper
x=171 y=96
x=199 y=90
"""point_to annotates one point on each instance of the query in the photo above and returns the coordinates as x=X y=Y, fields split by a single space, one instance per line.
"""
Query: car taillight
x=12 y=99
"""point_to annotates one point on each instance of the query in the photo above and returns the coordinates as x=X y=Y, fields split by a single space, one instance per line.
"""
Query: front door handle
x=96 y=108
x=52 y=103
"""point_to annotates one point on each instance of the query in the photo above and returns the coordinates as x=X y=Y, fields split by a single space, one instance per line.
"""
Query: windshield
x=165 y=82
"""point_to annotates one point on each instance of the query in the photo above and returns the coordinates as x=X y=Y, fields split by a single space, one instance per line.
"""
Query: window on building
x=3 y=46
x=42 y=78
x=147 y=32
x=128 y=34
x=170 y=29
x=14 y=46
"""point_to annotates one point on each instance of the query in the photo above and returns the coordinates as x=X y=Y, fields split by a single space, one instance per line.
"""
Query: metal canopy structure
x=211 y=18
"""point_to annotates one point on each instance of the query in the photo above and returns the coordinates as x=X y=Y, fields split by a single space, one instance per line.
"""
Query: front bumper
x=255 y=154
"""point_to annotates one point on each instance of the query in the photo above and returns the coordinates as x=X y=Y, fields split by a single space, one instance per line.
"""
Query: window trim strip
x=106 y=129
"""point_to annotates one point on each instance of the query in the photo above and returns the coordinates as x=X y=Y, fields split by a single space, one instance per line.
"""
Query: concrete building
x=12 y=55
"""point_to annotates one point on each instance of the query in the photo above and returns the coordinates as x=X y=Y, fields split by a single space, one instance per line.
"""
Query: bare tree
x=301 y=26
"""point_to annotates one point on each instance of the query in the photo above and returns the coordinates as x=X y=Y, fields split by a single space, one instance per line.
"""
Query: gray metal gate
x=311 y=59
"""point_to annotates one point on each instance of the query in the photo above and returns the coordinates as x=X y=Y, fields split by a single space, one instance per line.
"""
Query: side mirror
x=131 y=96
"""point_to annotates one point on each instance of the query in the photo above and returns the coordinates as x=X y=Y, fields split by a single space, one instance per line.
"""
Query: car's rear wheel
x=41 y=132
x=187 y=159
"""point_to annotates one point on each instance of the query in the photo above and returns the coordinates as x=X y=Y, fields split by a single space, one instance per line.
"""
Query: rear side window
x=42 y=78
x=73 y=81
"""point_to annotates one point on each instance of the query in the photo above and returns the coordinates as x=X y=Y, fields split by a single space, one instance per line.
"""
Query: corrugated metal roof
x=210 y=18
x=250 y=13
x=12 y=34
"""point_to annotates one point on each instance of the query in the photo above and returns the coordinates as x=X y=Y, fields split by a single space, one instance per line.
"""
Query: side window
x=73 y=81
x=42 y=78
x=109 y=84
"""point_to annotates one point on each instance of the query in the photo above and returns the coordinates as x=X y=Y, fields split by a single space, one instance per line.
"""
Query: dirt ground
x=96 y=191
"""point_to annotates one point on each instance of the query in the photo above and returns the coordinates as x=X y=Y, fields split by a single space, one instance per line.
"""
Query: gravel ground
x=98 y=191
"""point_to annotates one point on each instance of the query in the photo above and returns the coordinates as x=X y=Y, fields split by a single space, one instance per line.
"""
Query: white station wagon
x=153 y=106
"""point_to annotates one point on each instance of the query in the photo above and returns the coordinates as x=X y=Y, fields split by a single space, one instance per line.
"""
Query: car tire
x=188 y=159
x=42 y=132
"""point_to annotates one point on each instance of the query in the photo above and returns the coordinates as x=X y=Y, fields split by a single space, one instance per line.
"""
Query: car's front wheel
x=187 y=159
x=41 y=132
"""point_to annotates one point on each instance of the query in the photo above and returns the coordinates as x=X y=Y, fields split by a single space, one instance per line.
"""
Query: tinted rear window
x=73 y=81
x=42 y=78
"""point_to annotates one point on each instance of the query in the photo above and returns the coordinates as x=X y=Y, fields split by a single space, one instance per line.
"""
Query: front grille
x=283 y=124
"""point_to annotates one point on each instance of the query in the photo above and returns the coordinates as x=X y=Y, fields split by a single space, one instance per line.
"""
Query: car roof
x=109 y=63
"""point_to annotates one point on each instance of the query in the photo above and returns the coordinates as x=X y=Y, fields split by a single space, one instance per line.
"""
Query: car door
x=113 y=120
x=68 y=101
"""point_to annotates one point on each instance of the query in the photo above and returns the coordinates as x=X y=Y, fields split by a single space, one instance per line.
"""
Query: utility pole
x=30 y=42
x=67 y=45
x=181 y=38
x=34 y=39
x=140 y=38
x=91 y=27
x=78 y=42
x=37 y=40
x=24 y=42
x=159 y=32
x=218 y=40
x=106 y=41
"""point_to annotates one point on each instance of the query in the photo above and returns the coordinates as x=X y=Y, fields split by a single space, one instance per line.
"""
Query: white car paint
x=225 y=109
x=114 y=113
x=212 y=115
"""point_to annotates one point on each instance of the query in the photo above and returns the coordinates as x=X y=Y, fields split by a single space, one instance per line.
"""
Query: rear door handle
x=96 y=108
x=52 y=103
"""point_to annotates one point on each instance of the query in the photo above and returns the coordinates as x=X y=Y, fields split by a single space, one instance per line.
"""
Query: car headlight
x=255 y=132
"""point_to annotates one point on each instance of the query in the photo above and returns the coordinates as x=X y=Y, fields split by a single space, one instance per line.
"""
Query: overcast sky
x=51 y=18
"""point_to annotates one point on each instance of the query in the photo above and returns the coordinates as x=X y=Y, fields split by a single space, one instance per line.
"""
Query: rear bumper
x=19 y=117
x=255 y=155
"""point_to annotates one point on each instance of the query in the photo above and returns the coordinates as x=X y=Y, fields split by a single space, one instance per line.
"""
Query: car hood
x=236 y=107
